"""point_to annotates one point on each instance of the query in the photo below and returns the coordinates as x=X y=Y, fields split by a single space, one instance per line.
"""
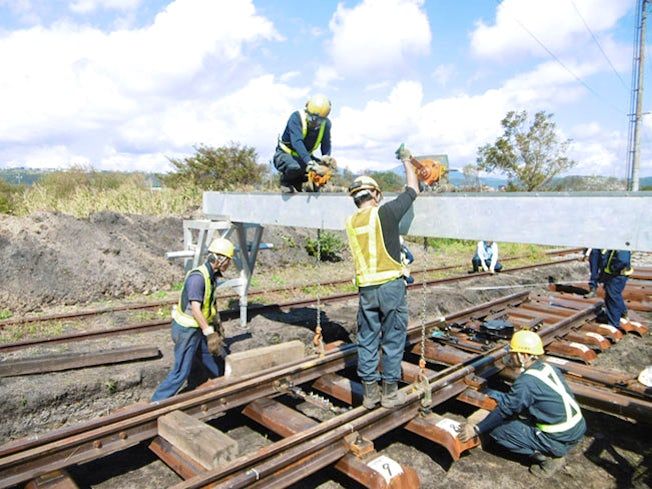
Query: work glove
x=402 y=153
x=484 y=267
x=320 y=170
x=213 y=339
x=491 y=270
x=467 y=432
x=329 y=161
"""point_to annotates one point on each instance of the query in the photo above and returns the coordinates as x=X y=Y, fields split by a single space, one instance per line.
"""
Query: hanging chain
x=422 y=379
x=318 y=339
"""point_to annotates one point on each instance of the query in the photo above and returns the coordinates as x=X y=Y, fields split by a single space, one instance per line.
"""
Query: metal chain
x=318 y=340
x=422 y=378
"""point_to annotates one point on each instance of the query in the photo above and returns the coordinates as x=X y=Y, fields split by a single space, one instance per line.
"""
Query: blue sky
x=124 y=84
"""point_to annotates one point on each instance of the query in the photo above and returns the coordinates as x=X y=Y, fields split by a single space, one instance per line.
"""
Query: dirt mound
x=59 y=259
x=56 y=259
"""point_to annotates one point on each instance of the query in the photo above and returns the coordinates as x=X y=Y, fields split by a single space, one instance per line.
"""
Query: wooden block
x=199 y=441
x=247 y=362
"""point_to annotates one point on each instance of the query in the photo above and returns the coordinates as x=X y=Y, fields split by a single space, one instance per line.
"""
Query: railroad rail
x=460 y=360
x=169 y=302
x=146 y=326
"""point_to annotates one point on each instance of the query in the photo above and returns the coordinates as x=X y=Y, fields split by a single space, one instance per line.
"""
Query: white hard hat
x=645 y=377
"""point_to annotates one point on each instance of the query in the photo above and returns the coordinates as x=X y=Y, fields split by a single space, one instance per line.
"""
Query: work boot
x=287 y=189
x=371 y=394
x=548 y=467
x=391 y=398
x=592 y=293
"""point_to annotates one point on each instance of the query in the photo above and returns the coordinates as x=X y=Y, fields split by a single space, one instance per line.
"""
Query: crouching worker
x=486 y=256
x=539 y=416
x=194 y=337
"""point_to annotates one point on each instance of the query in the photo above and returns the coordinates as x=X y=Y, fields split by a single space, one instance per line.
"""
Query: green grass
x=5 y=314
x=20 y=332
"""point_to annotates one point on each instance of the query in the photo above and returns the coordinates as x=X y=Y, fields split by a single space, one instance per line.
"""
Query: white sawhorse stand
x=197 y=236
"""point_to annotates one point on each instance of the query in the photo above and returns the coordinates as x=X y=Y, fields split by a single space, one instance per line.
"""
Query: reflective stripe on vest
x=373 y=264
x=573 y=414
x=208 y=309
x=304 y=130
x=624 y=271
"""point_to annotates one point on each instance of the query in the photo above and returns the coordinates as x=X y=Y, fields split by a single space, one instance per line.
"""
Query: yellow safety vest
x=304 y=130
x=607 y=268
x=208 y=308
x=373 y=264
x=548 y=376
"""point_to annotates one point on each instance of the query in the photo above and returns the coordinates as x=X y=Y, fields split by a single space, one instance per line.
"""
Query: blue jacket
x=615 y=262
x=294 y=136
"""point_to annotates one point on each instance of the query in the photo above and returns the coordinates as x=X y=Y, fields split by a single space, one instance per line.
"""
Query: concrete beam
x=615 y=220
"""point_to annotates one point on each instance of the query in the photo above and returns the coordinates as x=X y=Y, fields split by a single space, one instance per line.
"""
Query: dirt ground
x=51 y=260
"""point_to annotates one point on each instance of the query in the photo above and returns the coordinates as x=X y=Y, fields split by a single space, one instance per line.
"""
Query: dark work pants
x=189 y=345
x=477 y=264
x=614 y=303
x=382 y=323
x=293 y=170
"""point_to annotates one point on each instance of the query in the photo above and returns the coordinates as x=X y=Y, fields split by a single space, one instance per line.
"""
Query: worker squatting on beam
x=383 y=314
x=553 y=422
x=306 y=131
x=195 y=320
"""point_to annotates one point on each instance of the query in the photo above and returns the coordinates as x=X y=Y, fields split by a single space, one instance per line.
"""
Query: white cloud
x=555 y=23
x=376 y=36
x=457 y=125
x=86 y=6
x=70 y=83
x=443 y=73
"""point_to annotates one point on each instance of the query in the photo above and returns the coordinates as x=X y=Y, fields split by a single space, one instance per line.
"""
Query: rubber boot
x=371 y=394
x=548 y=467
x=391 y=397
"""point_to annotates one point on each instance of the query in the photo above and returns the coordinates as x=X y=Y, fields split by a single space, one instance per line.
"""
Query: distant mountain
x=456 y=178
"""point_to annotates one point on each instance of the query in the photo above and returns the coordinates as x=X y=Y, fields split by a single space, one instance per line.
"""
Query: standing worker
x=306 y=131
x=383 y=314
x=192 y=333
x=486 y=256
x=539 y=416
x=616 y=268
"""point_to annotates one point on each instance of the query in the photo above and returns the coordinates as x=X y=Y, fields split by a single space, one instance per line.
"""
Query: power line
x=599 y=45
x=586 y=85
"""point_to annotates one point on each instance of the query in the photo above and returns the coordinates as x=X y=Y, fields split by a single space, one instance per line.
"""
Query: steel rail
x=299 y=459
x=27 y=458
x=167 y=302
x=256 y=309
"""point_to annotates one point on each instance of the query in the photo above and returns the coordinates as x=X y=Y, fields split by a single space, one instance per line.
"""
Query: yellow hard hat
x=221 y=246
x=363 y=183
x=318 y=105
x=525 y=341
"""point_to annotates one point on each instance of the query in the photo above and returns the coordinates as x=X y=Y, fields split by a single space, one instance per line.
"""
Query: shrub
x=9 y=194
x=223 y=168
x=329 y=246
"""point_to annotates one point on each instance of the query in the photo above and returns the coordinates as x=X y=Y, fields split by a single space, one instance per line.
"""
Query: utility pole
x=636 y=105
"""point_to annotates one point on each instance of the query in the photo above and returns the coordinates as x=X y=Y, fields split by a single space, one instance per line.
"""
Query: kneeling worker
x=486 y=256
x=192 y=333
x=539 y=416
x=306 y=131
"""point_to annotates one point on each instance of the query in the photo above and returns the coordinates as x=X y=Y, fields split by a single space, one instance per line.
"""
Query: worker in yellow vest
x=306 y=131
x=192 y=318
x=373 y=232
x=538 y=417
